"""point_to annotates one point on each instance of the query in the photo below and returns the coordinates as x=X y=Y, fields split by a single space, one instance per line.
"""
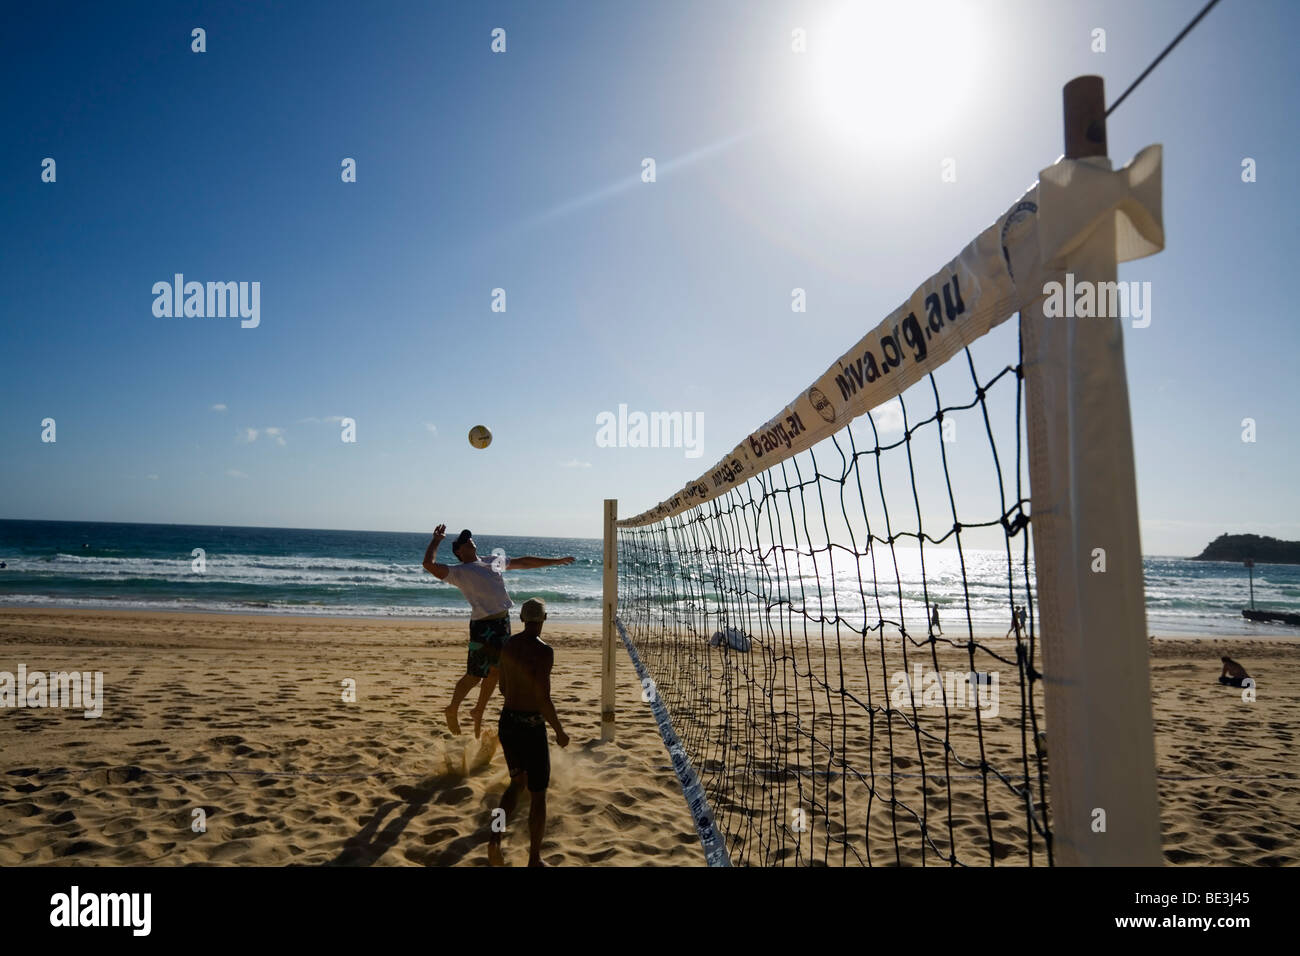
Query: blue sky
x=521 y=171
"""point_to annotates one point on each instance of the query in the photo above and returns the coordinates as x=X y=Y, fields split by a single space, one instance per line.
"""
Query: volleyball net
x=845 y=620
x=834 y=653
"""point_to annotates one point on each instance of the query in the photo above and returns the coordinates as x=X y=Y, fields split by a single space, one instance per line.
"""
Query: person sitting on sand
x=526 y=709
x=489 y=617
x=1233 y=673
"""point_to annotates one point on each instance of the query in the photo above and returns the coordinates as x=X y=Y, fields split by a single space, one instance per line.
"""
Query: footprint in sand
x=1263 y=841
x=79 y=848
x=455 y=795
x=437 y=838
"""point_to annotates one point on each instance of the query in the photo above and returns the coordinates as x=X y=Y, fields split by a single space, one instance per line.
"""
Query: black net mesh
x=839 y=646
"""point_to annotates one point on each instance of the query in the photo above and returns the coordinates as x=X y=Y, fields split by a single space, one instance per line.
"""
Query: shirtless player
x=526 y=709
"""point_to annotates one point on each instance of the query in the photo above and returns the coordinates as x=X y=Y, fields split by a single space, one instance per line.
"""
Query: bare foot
x=494 y=855
x=477 y=714
x=453 y=720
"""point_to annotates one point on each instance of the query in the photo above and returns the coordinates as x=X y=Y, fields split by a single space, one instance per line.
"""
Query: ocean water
x=378 y=574
x=280 y=570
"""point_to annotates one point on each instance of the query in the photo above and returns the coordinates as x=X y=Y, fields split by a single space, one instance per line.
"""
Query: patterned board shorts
x=486 y=638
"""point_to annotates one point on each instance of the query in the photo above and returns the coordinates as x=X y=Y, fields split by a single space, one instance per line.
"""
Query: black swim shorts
x=523 y=739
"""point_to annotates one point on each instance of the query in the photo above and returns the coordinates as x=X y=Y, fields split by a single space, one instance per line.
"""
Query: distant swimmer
x=3 y=565
x=934 y=618
x=1233 y=673
x=489 y=619
x=526 y=709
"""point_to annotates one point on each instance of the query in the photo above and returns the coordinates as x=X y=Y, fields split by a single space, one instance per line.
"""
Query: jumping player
x=489 y=617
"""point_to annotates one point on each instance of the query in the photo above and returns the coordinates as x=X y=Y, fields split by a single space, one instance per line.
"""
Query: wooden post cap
x=1085 y=117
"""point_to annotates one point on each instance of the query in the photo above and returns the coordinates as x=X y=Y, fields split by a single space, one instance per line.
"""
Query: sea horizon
x=320 y=572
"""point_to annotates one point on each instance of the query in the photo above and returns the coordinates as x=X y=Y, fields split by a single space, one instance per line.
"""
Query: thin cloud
x=433 y=429
x=235 y=473
x=574 y=463
x=219 y=407
x=889 y=416
x=250 y=435
x=633 y=179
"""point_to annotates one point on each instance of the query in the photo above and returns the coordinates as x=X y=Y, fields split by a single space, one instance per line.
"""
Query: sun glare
x=881 y=71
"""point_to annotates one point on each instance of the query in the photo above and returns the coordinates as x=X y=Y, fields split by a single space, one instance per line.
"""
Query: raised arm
x=439 y=571
x=528 y=561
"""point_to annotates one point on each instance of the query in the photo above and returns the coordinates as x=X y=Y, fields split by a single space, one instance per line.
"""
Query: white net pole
x=1097 y=687
x=609 y=612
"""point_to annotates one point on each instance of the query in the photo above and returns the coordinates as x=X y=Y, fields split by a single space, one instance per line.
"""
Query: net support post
x=608 y=634
x=1088 y=556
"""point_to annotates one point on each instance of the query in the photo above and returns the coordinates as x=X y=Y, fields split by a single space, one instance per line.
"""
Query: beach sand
x=905 y=788
x=243 y=718
x=1230 y=770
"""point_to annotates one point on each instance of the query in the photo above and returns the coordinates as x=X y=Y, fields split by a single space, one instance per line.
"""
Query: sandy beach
x=1229 y=770
x=243 y=718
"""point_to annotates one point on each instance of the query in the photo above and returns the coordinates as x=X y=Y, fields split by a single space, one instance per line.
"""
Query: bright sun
x=881 y=71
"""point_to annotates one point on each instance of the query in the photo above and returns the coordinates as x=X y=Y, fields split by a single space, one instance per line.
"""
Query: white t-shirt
x=482 y=587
